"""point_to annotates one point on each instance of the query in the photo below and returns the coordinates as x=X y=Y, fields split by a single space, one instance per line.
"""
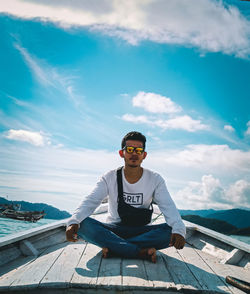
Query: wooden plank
x=14 y=265
x=63 y=268
x=134 y=274
x=10 y=272
x=34 y=273
x=86 y=272
x=31 y=273
x=207 y=278
x=224 y=270
x=179 y=271
x=109 y=275
x=158 y=274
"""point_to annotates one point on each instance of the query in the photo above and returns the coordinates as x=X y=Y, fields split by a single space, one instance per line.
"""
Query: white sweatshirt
x=140 y=194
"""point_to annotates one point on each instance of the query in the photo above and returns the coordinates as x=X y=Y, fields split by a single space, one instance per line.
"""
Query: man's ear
x=144 y=155
x=121 y=153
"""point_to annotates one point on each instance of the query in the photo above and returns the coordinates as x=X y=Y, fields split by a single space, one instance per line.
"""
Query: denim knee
x=87 y=227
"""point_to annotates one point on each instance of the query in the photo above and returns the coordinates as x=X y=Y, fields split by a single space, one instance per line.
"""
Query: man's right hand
x=71 y=233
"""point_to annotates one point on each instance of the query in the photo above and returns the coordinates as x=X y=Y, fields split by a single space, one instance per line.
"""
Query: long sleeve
x=89 y=203
x=168 y=208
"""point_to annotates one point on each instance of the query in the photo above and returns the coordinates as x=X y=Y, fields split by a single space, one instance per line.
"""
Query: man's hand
x=177 y=241
x=71 y=233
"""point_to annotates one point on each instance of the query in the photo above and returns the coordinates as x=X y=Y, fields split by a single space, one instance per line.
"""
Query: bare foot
x=148 y=253
x=105 y=252
x=152 y=254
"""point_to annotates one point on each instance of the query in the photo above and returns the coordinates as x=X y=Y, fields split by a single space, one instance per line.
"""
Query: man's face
x=133 y=159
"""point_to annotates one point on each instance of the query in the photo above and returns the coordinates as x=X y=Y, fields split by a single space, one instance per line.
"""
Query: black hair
x=136 y=136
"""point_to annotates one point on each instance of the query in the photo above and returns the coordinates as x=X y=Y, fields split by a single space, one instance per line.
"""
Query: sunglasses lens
x=139 y=150
x=130 y=149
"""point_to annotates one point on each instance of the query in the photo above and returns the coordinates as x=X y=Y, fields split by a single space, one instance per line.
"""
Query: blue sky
x=76 y=76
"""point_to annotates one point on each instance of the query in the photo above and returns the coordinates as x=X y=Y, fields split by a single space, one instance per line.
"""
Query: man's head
x=133 y=146
x=135 y=136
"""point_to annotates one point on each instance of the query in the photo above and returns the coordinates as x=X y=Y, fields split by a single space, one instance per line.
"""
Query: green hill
x=202 y=212
x=51 y=211
x=242 y=232
x=213 y=224
x=237 y=217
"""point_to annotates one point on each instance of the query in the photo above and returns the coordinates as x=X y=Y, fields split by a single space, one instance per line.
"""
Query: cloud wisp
x=49 y=76
x=201 y=24
x=229 y=128
x=34 y=138
x=248 y=129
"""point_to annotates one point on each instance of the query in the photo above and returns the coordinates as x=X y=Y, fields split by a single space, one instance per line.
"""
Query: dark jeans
x=123 y=240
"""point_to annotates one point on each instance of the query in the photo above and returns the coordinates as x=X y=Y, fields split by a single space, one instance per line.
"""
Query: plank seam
x=121 y=271
x=166 y=265
x=212 y=270
x=78 y=262
x=146 y=272
x=202 y=287
x=98 y=272
x=51 y=266
x=28 y=263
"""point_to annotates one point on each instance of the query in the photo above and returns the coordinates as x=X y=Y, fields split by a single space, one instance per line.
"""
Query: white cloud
x=239 y=192
x=248 y=128
x=209 y=193
x=155 y=103
x=211 y=157
x=141 y=119
x=34 y=138
x=202 y=24
x=229 y=128
x=184 y=122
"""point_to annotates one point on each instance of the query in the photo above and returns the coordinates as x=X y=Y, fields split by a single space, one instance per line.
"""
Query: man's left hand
x=177 y=241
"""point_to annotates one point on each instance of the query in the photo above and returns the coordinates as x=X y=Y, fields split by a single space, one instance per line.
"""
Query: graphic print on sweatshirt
x=133 y=198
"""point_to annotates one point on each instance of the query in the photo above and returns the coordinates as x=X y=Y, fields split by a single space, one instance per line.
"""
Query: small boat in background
x=13 y=211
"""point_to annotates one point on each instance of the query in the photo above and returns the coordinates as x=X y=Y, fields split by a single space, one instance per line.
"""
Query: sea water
x=10 y=226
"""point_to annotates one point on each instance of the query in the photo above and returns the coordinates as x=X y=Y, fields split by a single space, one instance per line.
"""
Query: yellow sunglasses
x=130 y=149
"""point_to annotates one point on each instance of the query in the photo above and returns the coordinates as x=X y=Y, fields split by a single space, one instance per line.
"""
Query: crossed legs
x=130 y=242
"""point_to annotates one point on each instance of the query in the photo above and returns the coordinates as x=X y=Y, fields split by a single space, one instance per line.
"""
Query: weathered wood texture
x=71 y=266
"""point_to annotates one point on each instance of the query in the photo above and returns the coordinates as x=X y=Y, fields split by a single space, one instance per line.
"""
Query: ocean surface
x=10 y=226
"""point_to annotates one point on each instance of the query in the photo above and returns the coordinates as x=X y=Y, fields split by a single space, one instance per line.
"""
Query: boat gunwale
x=218 y=236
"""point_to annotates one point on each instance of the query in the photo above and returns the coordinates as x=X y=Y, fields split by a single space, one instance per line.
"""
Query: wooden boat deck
x=79 y=268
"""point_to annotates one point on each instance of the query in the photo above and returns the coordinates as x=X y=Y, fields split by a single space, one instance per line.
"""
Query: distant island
x=229 y=222
x=51 y=212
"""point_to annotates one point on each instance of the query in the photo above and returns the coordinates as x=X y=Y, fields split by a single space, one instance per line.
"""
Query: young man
x=140 y=187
